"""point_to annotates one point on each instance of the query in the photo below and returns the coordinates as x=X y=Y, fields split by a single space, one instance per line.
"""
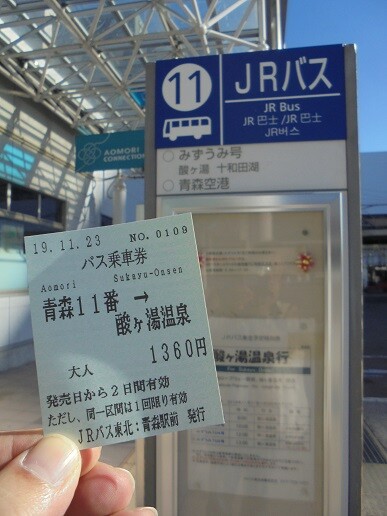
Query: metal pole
x=119 y=199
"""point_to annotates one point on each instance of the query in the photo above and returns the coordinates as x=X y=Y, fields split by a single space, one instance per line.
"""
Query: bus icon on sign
x=196 y=127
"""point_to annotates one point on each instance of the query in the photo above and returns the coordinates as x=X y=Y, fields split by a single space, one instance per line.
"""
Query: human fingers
x=89 y=458
x=41 y=480
x=12 y=443
x=104 y=490
x=15 y=442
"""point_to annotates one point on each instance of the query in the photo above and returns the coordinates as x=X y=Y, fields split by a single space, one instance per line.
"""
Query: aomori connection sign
x=109 y=151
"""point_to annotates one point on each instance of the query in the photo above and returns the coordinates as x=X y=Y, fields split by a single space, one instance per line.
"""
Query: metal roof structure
x=86 y=60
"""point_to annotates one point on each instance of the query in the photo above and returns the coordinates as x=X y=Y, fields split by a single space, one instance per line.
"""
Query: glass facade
x=24 y=201
x=51 y=208
x=3 y=195
x=23 y=212
x=375 y=268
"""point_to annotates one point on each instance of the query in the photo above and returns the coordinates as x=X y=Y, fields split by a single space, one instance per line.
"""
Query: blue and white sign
x=255 y=97
x=109 y=151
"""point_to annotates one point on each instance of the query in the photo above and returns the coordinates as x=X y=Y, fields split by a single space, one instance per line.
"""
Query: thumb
x=42 y=480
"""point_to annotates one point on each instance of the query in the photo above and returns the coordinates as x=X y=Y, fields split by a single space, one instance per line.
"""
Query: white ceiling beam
x=94 y=55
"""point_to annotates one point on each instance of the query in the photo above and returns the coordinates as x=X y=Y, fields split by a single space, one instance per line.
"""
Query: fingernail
x=52 y=459
x=150 y=510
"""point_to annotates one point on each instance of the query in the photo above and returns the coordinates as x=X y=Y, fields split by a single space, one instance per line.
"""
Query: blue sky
x=364 y=23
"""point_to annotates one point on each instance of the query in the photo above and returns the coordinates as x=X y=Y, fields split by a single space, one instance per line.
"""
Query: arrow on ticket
x=145 y=297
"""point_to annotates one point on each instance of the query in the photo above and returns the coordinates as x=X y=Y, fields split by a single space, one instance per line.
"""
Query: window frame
x=41 y=225
x=8 y=213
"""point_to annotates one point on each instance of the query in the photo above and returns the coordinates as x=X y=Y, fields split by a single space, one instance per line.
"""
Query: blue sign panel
x=109 y=151
x=254 y=97
x=187 y=102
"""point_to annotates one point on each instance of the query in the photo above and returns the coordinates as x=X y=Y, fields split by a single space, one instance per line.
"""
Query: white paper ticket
x=122 y=343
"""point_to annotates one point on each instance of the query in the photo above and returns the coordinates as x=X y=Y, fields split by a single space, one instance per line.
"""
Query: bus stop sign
x=254 y=97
